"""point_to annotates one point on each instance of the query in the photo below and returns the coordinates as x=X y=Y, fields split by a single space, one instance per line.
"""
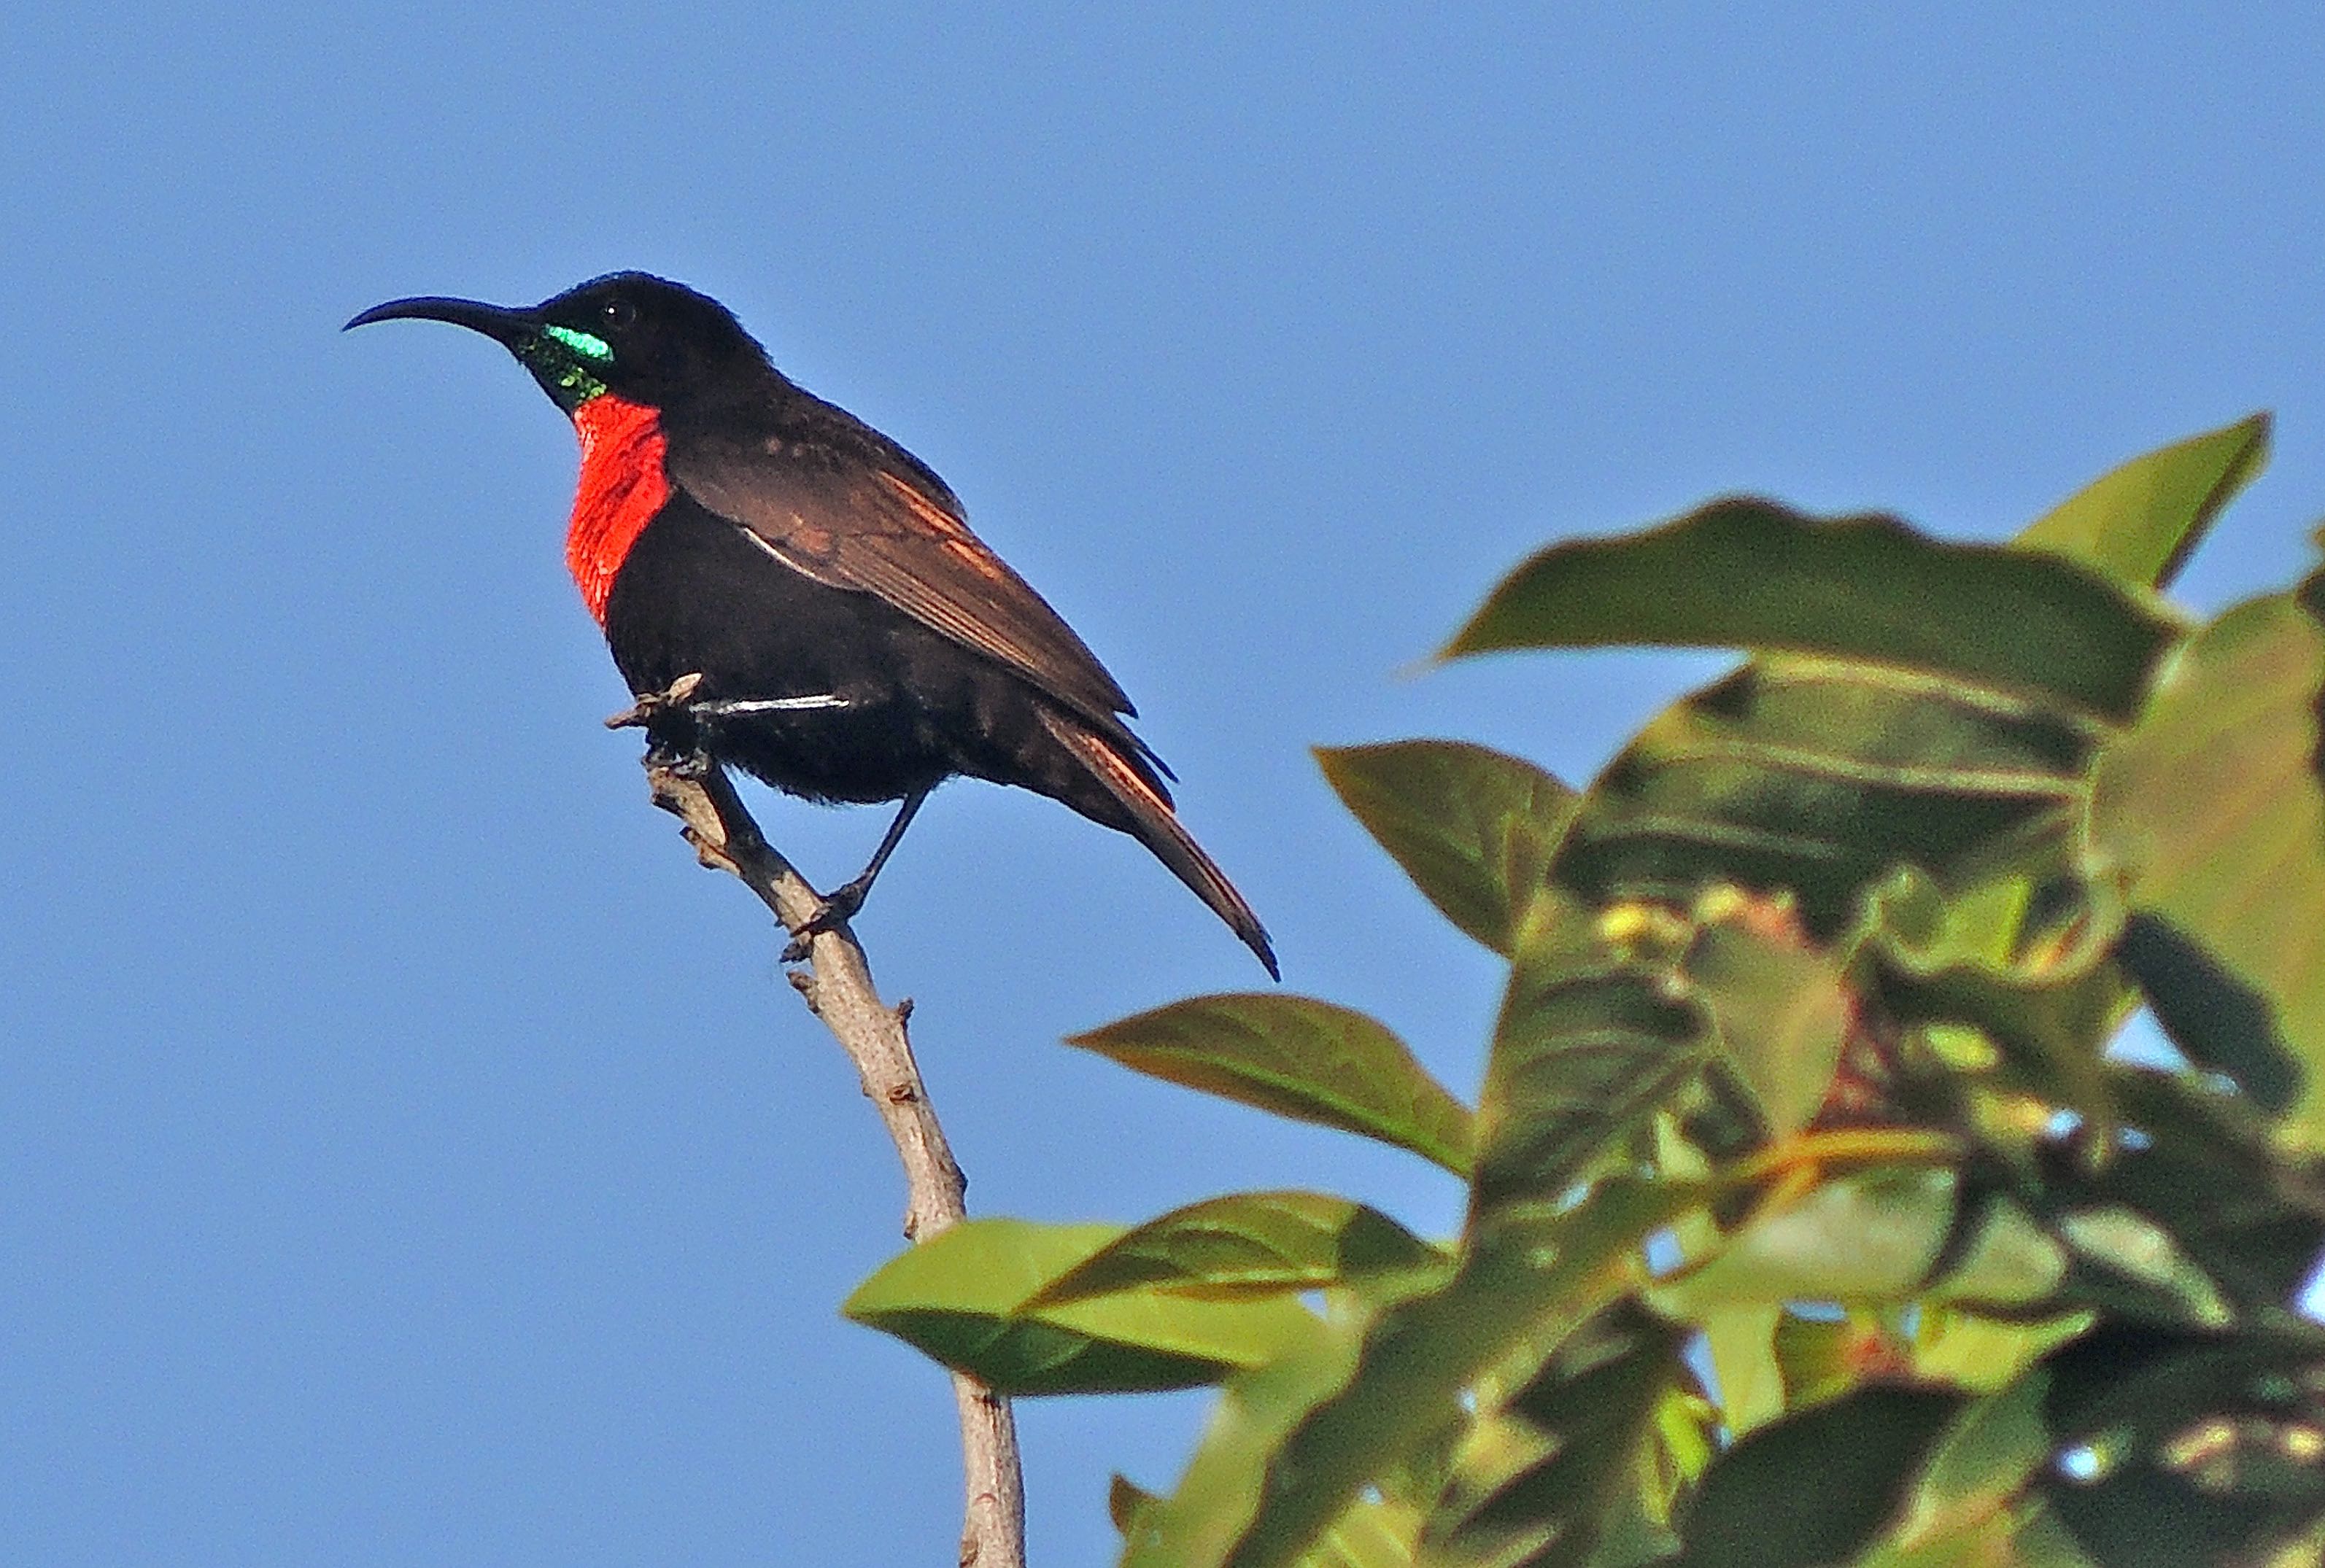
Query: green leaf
x=2051 y=1001
x=1371 y=1535
x=1781 y=1003
x=1474 y=828
x=1590 y=1044
x=1198 y=1523
x=2163 y=1282
x=2210 y=1174
x=1977 y=1470
x=1880 y=1237
x=1814 y=1487
x=1748 y=573
x=1534 y=1481
x=2138 y=523
x=1529 y=1278
x=1126 y=1503
x=1984 y=1354
x=2177 y=1448
x=1368 y=1536
x=1820 y=1357
x=2212 y=810
x=1822 y=778
x=2215 y=1018
x=962 y=1298
x=1280 y=1241
x=1302 y=1059
x=1748 y=1377
x=2024 y=1537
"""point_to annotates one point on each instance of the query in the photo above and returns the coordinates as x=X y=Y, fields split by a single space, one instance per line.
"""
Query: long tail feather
x=1157 y=826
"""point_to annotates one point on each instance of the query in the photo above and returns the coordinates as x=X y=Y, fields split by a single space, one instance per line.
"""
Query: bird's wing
x=855 y=518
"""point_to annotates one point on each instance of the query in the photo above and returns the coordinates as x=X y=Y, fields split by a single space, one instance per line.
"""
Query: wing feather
x=893 y=530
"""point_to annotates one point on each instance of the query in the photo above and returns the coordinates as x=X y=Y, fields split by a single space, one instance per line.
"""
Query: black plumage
x=799 y=556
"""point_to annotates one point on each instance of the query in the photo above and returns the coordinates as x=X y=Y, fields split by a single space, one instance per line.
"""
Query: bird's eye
x=619 y=312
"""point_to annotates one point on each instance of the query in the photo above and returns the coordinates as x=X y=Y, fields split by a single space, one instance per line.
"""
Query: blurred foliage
x=1817 y=1215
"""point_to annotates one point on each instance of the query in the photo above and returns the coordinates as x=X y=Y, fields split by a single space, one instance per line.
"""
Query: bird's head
x=643 y=339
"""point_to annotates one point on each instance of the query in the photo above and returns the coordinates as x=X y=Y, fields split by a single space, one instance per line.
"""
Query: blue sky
x=406 y=1156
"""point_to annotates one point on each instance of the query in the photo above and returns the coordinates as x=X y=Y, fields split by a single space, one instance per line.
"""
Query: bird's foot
x=835 y=909
x=689 y=762
x=655 y=707
x=668 y=717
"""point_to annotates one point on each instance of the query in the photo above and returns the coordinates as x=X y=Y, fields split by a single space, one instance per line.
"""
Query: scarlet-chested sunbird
x=855 y=642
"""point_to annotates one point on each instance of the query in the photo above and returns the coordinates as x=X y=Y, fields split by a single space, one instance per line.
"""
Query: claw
x=835 y=909
x=654 y=704
x=689 y=762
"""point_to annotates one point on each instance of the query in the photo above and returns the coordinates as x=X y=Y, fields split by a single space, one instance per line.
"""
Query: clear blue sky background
x=406 y=1156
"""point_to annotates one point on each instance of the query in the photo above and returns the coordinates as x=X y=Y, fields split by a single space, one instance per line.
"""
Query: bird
x=800 y=597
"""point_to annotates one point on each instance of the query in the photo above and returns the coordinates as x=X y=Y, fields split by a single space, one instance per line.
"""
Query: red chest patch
x=623 y=485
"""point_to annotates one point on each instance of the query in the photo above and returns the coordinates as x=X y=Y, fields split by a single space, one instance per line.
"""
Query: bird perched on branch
x=788 y=590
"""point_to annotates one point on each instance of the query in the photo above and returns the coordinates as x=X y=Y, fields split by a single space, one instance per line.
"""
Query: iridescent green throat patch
x=587 y=344
x=564 y=360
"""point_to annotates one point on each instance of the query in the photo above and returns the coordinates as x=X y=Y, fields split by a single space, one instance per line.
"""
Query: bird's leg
x=842 y=903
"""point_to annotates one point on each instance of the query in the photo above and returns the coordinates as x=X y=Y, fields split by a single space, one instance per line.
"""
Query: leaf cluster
x=1818 y=1211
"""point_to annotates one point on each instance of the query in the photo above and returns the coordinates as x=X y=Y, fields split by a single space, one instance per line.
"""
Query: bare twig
x=836 y=985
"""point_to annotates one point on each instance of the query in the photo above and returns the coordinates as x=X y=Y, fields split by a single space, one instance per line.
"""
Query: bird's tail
x=1153 y=822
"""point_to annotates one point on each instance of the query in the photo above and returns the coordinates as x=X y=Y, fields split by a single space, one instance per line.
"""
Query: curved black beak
x=502 y=326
